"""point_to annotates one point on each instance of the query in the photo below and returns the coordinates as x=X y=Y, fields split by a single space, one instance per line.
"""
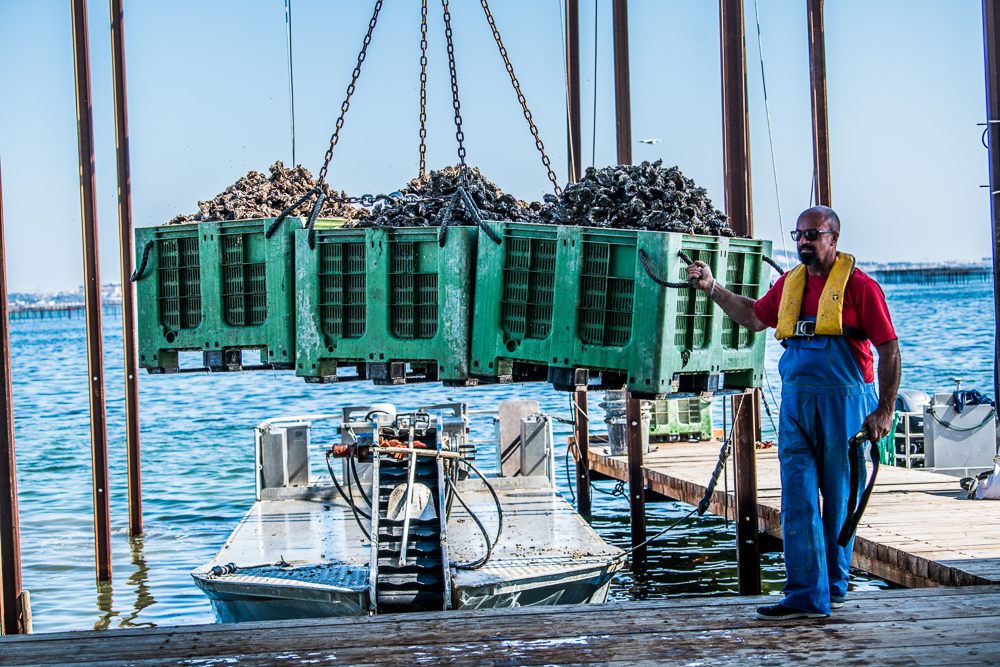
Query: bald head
x=823 y=215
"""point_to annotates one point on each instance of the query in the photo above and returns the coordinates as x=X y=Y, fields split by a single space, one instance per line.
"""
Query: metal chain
x=350 y=91
x=520 y=96
x=463 y=169
x=423 y=87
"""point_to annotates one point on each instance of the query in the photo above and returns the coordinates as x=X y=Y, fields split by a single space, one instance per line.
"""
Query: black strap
x=856 y=509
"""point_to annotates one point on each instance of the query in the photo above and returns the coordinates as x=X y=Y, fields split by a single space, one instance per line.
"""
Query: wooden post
x=623 y=104
x=991 y=30
x=736 y=160
x=127 y=264
x=581 y=433
x=636 y=481
x=10 y=541
x=92 y=292
x=573 y=83
x=745 y=465
x=817 y=79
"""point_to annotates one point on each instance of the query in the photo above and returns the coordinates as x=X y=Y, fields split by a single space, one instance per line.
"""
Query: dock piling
x=623 y=104
x=636 y=481
x=817 y=80
x=745 y=426
x=92 y=291
x=581 y=433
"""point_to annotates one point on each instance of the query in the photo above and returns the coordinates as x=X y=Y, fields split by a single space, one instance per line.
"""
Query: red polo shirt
x=864 y=308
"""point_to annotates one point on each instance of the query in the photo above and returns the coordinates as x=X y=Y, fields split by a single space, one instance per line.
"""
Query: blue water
x=197 y=456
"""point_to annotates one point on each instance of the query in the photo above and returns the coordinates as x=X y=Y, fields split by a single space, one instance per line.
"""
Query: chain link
x=463 y=169
x=520 y=96
x=350 y=91
x=423 y=87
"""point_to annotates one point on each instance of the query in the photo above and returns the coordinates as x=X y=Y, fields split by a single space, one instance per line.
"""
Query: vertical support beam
x=991 y=32
x=573 y=82
x=92 y=291
x=623 y=104
x=127 y=263
x=636 y=481
x=581 y=433
x=10 y=541
x=817 y=79
x=745 y=461
x=736 y=159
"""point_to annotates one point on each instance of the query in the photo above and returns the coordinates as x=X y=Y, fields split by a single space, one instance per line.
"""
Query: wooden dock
x=918 y=530
x=939 y=626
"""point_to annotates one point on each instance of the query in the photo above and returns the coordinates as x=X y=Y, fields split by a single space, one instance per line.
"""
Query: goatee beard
x=808 y=256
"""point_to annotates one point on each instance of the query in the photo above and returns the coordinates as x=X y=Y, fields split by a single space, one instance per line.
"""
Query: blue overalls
x=824 y=401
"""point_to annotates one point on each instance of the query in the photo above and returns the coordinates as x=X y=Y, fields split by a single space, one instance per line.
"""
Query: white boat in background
x=507 y=540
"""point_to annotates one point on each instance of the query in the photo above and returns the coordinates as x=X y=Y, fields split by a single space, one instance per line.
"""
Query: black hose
x=644 y=259
x=142 y=265
x=344 y=496
x=952 y=427
x=475 y=565
x=354 y=470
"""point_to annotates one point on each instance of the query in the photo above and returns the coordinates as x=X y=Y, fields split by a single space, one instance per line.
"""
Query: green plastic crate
x=577 y=300
x=218 y=288
x=393 y=304
x=681 y=419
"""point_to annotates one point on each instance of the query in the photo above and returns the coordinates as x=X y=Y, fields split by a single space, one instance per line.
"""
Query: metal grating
x=606 y=302
x=742 y=277
x=179 y=275
x=342 y=271
x=413 y=305
x=693 y=330
x=244 y=281
x=529 y=281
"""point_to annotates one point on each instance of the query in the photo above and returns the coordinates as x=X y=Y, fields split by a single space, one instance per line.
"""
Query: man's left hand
x=878 y=424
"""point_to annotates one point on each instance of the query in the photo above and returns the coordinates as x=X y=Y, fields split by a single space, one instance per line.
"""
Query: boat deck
x=919 y=528
x=928 y=626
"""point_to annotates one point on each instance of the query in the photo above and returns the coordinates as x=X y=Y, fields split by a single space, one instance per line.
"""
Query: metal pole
x=817 y=78
x=10 y=543
x=291 y=78
x=127 y=262
x=736 y=160
x=92 y=292
x=573 y=77
x=581 y=433
x=991 y=31
x=623 y=105
x=636 y=481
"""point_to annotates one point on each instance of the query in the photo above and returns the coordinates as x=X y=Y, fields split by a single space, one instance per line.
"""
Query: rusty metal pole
x=623 y=104
x=736 y=159
x=817 y=78
x=10 y=541
x=581 y=433
x=991 y=32
x=127 y=262
x=636 y=481
x=573 y=79
x=92 y=292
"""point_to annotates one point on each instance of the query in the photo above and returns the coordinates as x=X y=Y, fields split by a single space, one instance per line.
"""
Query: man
x=825 y=312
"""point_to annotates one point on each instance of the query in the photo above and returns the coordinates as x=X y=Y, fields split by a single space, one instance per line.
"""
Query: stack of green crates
x=576 y=300
x=392 y=305
x=218 y=288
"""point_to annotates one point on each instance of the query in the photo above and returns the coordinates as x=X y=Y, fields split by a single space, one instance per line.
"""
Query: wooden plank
x=955 y=626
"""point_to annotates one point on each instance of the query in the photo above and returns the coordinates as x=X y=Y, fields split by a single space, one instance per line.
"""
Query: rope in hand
x=644 y=259
x=142 y=265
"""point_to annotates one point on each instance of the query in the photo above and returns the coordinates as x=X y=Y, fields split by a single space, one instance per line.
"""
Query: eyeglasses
x=809 y=234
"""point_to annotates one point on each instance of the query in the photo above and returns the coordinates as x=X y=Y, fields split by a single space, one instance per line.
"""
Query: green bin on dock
x=680 y=419
x=217 y=288
x=560 y=302
x=389 y=305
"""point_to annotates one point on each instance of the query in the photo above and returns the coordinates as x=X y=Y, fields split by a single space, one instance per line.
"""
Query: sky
x=208 y=101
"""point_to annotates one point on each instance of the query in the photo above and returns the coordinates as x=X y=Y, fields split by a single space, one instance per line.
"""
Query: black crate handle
x=472 y=210
x=644 y=259
x=284 y=214
x=142 y=265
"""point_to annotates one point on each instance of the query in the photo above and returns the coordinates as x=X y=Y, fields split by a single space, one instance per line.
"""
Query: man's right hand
x=701 y=271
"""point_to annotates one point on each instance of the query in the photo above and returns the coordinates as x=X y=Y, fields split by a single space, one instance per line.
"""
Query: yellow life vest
x=829 y=317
